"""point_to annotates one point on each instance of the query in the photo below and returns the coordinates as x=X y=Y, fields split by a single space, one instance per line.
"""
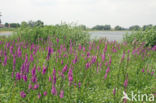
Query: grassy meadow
x=61 y=65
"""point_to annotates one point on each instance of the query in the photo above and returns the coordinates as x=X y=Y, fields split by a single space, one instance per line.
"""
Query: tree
x=31 y=23
x=83 y=27
x=98 y=27
x=39 y=23
x=135 y=27
x=119 y=28
x=107 y=27
x=24 y=24
x=6 y=25
x=147 y=26
x=14 y=25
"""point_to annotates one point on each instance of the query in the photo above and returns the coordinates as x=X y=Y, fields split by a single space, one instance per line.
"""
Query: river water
x=110 y=35
x=5 y=33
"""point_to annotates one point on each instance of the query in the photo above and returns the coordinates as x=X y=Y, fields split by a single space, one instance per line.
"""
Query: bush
x=62 y=32
x=148 y=37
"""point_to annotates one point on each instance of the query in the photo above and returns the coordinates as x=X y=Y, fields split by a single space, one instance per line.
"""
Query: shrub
x=148 y=37
x=62 y=32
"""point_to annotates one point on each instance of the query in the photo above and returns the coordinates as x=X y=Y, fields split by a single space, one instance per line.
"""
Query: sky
x=88 y=12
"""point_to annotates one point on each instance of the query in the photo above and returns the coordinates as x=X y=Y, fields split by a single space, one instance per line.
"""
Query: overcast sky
x=88 y=12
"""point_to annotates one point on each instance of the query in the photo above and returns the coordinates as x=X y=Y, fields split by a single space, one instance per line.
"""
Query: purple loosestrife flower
x=152 y=73
x=84 y=49
x=126 y=83
x=11 y=49
x=44 y=69
x=94 y=59
x=114 y=91
x=14 y=60
x=79 y=84
x=106 y=64
x=110 y=60
x=65 y=68
x=154 y=48
x=18 y=76
x=88 y=54
x=98 y=47
x=19 y=52
x=143 y=70
x=61 y=94
x=49 y=53
x=39 y=69
x=5 y=61
x=49 y=78
x=54 y=76
x=30 y=86
x=61 y=74
x=32 y=46
x=57 y=40
x=33 y=71
x=31 y=58
x=103 y=57
x=80 y=47
x=45 y=93
x=62 y=61
x=133 y=52
x=75 y=60
x=26 y=58
x=70 y=76
x=88 y=65
x=22 y=93
x=105 y=49
x=25 y=78
x=34 y=79
x=53 y=90
x=108 y=69
x=105 y=76
x=36 y=86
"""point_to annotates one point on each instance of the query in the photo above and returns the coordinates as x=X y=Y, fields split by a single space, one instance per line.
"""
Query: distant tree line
x=30 y=23
x=40 y=23
x=133 y=27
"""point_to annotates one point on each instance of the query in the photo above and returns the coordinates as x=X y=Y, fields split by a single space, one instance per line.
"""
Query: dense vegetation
x=59 y=64
x=96 y=73
x=147 y=36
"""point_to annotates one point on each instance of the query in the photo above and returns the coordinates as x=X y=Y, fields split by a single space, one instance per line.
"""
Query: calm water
x=5 y=33
x=110 y=35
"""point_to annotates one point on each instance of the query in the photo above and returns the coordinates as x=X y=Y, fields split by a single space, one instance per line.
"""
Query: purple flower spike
x=114 y=91
x=53 y=90
x=23 y=95
x=45 y=93
x=126 y=83
x=18 y=76
x=105 y=76
x=25 y=78
x=5 y=61
x=44 y=69
x=36 y=86
x=61 y=94
x=65 y=68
